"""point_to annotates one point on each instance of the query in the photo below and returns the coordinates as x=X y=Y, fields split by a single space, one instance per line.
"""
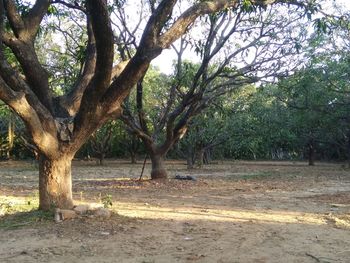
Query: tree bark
x=55 y=183
x=158 y=170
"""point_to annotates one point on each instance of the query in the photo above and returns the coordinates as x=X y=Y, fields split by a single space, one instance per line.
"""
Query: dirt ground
x=234 y=212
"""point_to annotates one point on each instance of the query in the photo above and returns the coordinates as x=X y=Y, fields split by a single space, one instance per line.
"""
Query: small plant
x=5 y=208
x=107 y=201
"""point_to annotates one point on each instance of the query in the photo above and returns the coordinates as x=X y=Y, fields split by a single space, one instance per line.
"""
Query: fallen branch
x=312 y=256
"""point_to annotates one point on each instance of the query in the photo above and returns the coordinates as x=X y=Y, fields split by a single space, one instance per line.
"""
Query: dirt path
x=234 y=212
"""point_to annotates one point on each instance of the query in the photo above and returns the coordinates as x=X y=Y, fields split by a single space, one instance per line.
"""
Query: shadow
x=22 y=219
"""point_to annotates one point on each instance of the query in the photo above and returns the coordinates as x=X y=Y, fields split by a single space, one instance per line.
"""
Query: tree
x=318 y=99
x=241 y=46
x=207 y=131
x=59 y=126
x=101 y=141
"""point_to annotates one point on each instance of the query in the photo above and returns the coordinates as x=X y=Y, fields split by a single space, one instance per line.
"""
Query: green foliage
x=61 y=47
x=248 y=6
x=52 y=10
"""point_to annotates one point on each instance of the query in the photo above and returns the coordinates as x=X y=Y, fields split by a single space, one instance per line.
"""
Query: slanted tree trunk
x=55 y=182
x=158 y=169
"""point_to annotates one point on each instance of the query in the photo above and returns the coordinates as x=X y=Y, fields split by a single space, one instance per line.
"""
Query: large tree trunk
x=55 y=183
x=158 y=170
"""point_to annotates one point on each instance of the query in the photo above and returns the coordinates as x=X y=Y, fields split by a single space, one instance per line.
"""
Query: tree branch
x=33 y=19
x=15 y=20
x=104 y=60
x=45 y=139
x=138 y=65
x=71 y=6
x=71 y=101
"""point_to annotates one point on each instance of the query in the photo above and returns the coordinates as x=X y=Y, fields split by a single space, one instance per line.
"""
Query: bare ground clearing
x=234 y=212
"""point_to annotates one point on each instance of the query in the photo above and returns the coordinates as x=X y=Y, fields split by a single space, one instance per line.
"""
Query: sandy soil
x=234 y=212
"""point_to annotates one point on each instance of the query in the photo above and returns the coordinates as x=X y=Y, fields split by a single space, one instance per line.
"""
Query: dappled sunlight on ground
x=219 y=215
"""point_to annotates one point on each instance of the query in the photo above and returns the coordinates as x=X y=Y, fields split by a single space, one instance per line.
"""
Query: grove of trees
x=270 y=80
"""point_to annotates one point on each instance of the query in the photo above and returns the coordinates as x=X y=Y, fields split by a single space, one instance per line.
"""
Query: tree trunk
x=348 y=151
x=158 y=170
x=189 y=162
x=200 y=157
x=207 y=156
x=55 y=183
x=190 y=158
x=101 y=158
x=134 y=145
x=133 y=157
x=311 y=154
